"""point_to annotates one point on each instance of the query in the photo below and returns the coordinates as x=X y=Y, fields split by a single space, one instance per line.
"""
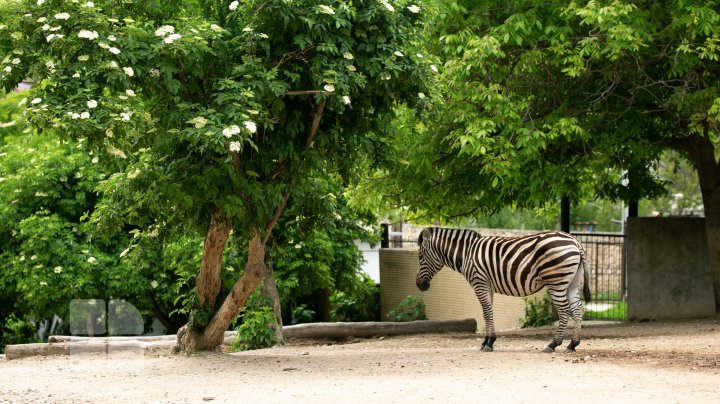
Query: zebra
x=513 y=266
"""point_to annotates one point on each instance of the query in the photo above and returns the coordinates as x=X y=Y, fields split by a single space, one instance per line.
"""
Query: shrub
x=411 y=308
x=538 y=312
x=16 y=331
x=258 y=326
x=361 y=302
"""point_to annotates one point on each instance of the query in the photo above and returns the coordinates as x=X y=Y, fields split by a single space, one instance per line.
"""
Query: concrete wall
x=668 y=274
x=450 y=297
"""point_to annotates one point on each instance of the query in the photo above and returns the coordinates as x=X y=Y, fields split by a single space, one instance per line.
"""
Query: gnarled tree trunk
x=270 y=290
x=211 y=337
x=208 y=281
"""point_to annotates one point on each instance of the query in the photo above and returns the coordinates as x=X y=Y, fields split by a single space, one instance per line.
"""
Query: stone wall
x=668 y=272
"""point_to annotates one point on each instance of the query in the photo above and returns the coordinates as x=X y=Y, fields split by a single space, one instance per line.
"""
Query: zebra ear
x=423 y=235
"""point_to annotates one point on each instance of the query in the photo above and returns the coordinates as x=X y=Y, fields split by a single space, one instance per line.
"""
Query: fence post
x=385 y=240
x=565 y=214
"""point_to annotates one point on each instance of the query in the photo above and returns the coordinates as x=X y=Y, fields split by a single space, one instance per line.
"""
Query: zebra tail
x=586 y=283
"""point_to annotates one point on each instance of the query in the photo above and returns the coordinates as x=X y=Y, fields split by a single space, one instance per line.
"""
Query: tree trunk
x=702 y=151
x=191 y=340
x=270 y=291
x=208 y=281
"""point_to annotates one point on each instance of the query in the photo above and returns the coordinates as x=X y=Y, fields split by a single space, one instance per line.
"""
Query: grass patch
x=617 y=312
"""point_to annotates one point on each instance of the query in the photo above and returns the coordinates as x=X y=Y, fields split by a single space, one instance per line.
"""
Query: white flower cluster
x=167 y=32
x=199 y=122
x=125 y=116
x=414 y=9
x=164 y=31
x=82 y=115
x=235 y=147
x=62 y=16
x=230 y=131
x=234 y=5
x=92 y=104
x=387 y=5
x=326 y=9
x=346 y=100
x=234 y=129
x=329 y=88
x=154 y=72
x=348 y=56
x=128 y=71
x=91 y=35
x=250 y=125
x=172 y=38
x=54 y=36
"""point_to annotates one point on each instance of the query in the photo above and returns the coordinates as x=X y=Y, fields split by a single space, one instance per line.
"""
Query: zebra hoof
x=487 y=348
x=570 y=350
x=549 y=349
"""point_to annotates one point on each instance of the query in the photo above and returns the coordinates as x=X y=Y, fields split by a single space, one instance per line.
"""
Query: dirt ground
x=659 y=362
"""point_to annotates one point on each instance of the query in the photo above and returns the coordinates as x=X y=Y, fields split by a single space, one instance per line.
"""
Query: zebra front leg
x=561 y=305
x=485 y=299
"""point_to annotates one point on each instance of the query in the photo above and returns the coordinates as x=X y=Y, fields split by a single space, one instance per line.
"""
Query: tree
x=220 y=109
x=545 y=100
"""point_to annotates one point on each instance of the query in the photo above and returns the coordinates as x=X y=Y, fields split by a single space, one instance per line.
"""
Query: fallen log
x=144 y=338
x=376 y=329
x=82 y=347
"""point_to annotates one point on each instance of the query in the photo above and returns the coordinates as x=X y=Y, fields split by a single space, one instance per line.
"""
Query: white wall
x=372 y=259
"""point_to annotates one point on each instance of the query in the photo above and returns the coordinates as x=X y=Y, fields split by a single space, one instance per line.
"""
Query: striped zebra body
x=513 y=266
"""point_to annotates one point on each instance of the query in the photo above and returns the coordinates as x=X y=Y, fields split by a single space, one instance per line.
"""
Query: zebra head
x=429 y=262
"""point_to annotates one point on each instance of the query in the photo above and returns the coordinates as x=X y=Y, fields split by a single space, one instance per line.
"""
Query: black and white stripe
x=513 y=266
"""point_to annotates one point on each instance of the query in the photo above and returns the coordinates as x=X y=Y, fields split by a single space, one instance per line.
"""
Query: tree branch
x=307 y=92
x=309 y=140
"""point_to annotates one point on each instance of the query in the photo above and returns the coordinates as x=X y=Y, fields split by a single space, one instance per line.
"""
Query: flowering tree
x=216 y=112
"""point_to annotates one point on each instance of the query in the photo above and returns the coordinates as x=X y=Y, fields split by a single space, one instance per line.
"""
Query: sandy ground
x=658 y=362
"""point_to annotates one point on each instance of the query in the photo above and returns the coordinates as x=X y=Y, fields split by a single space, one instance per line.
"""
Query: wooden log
x=25 y=350
x=369 y=329
x=376 y=329
x=144 y=338
x=83 y=347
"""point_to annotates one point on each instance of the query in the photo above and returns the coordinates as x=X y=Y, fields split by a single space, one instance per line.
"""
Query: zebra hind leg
x=576 y=310
x=487 y=345
x=561 y=305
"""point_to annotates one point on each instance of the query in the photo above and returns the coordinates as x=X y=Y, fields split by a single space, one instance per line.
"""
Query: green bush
x=16 y=331
x=410 y=308
x=258 y=326
x=361 y=302
x=538 y=312
x=302 y=314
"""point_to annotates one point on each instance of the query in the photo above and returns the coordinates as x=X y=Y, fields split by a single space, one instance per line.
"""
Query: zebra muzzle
x=423 y=284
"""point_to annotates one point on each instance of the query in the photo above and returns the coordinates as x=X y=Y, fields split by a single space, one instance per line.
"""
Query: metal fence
x=605 y=254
